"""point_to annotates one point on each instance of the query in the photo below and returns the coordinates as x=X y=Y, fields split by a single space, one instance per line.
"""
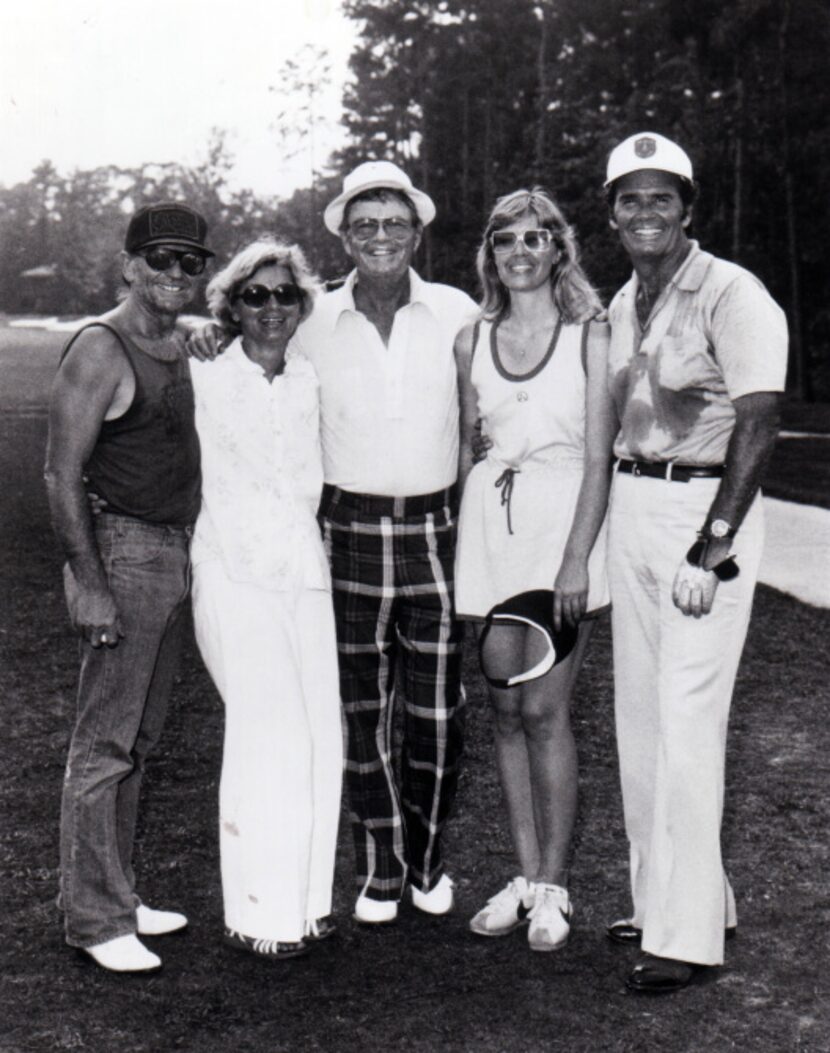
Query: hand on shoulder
x=206 y=342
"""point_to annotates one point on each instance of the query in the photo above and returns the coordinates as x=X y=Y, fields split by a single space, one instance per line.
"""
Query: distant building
x=39 y=289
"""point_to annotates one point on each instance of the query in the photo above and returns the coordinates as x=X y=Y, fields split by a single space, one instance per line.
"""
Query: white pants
x=273 y=658
x=674 y=675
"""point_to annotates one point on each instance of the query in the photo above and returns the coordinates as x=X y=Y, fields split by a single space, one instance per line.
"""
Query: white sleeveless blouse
x=518 y=504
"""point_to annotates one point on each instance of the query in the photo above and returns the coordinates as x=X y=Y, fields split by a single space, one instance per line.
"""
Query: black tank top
x=146 y=463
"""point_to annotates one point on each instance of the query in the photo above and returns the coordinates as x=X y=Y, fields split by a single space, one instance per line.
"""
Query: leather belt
x=396 y=507
x=676 y=473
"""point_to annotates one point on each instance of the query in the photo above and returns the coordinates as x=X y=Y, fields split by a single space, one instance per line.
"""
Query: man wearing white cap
x=382 y=347
x=696 y=365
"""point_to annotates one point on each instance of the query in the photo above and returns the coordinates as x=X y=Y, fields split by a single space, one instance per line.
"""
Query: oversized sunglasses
x=288 y=295
x=160 y=259
x=533 y=240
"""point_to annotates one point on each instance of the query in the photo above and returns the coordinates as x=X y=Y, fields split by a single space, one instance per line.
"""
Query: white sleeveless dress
x=518 y=503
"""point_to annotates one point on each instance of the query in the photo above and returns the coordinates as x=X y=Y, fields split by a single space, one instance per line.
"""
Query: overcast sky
x=93 y=82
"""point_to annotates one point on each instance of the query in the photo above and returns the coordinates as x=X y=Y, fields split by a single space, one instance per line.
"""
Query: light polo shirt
x=714 y=335
x=261 y=471
x=389 y=414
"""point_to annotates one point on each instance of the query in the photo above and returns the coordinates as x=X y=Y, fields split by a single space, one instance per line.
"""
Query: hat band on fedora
x=377 y=175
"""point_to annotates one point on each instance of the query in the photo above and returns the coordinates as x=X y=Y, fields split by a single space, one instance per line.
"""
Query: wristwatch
x=719 y=529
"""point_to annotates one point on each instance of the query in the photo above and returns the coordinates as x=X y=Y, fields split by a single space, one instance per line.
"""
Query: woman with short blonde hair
x=224 y=286
x=262 y=606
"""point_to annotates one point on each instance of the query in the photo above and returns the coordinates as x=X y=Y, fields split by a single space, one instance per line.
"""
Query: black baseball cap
x=533 y=609
x=167 y=223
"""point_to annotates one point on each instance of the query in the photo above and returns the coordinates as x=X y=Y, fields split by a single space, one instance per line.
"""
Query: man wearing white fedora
x=382 y=347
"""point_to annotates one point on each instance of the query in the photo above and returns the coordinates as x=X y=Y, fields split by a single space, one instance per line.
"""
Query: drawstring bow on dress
x=505 y=484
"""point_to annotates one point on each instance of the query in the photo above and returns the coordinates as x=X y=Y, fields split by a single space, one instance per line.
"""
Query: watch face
x=719 y=528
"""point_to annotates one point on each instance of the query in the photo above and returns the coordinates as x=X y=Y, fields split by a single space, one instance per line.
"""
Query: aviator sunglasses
x=160 y=259
x=288 y=295
x=394 y=228
x=533 y=240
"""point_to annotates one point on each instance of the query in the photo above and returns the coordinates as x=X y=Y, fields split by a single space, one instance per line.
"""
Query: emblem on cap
x=645 y=147
x=172 y=222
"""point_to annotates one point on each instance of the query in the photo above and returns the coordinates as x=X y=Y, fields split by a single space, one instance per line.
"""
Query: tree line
x=62 y=234
x=479 y=97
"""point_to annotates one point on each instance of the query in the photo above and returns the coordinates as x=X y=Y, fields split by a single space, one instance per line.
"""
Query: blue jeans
x=122 y=704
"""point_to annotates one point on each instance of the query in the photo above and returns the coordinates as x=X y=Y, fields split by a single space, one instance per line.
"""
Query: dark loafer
x=653 y=975
x=623 y=932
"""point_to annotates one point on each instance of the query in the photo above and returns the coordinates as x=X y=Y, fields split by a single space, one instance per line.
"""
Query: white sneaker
x=550 y=918
x=158 y=922
x=124 y=954
x=375 y=911
x=505 y=911
x=438 y=900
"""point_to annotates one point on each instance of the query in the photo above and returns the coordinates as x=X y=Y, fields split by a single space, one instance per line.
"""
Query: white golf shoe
x=438 y=900
x=124 y=954
x=375 y=911
x=151 y=922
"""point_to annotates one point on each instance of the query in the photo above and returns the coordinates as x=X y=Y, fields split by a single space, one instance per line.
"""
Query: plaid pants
x=392 y=565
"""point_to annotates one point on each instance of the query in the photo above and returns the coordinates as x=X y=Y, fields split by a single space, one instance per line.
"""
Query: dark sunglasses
x=533 y=240
x=288 y=295
x=159 y=259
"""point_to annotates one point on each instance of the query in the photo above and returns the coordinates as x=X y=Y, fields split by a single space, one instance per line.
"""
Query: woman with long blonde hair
x=531 y=548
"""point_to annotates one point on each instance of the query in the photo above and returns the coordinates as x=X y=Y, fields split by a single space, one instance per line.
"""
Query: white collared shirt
x=389 y=414
x=714 y=334
x=261 y=471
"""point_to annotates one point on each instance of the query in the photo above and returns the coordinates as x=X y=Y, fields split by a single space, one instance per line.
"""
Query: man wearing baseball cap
x=121 y=415
x=382 y=346
x=697 y=362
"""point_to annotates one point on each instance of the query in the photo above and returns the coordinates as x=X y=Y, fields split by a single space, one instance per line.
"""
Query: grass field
x=423 y=985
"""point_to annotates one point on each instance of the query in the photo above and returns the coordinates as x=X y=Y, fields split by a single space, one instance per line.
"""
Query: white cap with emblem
x=647 y=150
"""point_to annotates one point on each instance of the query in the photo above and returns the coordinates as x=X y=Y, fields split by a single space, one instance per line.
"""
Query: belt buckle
x=635 y=469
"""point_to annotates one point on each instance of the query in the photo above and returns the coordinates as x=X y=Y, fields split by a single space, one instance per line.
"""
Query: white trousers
x=273 y=658
x=674 y=675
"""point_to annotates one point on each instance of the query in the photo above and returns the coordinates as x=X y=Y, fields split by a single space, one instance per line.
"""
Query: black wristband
x=726 y=570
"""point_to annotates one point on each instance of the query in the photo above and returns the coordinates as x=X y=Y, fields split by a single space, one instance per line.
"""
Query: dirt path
x=797 y=552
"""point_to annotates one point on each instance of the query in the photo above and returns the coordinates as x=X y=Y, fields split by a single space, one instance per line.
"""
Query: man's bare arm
x=757 y=422
x=92 y=382
x=205 y=342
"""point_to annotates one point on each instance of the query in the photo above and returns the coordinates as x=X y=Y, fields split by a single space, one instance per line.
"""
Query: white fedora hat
x=370 y=176
x=647 y=150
